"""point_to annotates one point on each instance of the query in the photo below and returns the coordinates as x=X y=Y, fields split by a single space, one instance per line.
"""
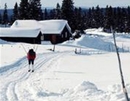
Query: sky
x=79 y=3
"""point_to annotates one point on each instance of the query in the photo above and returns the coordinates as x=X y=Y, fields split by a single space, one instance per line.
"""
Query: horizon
x=77 y=3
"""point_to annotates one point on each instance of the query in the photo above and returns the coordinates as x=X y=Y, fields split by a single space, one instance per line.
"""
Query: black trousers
x=31 y=61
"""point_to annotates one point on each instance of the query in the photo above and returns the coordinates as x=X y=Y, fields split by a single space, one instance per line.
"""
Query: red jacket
x=31 y=56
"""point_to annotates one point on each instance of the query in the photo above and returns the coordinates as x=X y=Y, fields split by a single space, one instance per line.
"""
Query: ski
x=30 y=70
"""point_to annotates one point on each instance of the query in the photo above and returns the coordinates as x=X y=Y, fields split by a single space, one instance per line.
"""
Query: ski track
x=18 y=71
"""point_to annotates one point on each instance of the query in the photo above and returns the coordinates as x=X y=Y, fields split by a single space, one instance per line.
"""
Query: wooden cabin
x=32 y=36
x=56 y=31
x=32 y=31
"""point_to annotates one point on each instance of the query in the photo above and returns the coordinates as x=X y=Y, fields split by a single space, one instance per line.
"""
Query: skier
x=31 y=55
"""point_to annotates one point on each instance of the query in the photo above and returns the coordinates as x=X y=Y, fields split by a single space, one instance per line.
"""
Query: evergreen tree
x=124 y=20
x=45 y=14
x=35 y=10
x=115 y=18
x=5 y=15
x=78 y=19
x=108 y=19
x=52 y=14
x=67 y=12
x=58 y=11
x=89 y=18
x=24 y=9
x=15 y=12
x=55 y=13
x=98 y=16
x=0 y=18
x=128 y=20
x=93 y=20
x=85 y=19
x=11 y=19
x=119 y=19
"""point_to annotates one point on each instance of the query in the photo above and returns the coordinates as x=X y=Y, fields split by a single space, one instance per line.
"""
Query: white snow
x=19 y=32
x=53 y=26
x=26 y=24
x=98 y=32
x=91 y=75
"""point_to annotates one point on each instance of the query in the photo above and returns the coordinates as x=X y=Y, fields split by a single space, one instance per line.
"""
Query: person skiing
x=31 y=55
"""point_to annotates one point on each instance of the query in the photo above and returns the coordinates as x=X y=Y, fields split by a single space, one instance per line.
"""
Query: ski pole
x=24 y=48
x=36 y=48
x=121 y=73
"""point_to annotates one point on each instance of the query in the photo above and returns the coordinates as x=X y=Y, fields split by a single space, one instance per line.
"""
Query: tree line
x=77 y=17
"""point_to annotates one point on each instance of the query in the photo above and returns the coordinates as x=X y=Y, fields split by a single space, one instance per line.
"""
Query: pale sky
x=79 y=3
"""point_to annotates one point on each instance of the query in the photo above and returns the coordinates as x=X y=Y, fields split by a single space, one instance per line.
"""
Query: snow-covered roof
x=31 y=28
x=19 y=32
x=53 y=26
x=26 y=24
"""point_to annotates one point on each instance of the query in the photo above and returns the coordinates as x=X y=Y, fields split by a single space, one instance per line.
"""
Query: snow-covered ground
x=91 y=75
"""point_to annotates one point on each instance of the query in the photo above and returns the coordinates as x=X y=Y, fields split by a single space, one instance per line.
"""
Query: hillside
x=90 y=75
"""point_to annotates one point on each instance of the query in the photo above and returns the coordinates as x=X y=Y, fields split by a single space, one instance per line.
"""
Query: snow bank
x=87 y=91
x=94 y=42
x=91 y=41
x=101 y=41
x=85 y=87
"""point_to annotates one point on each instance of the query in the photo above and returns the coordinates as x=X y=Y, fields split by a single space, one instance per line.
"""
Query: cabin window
x=42 y=37
x=66 y=34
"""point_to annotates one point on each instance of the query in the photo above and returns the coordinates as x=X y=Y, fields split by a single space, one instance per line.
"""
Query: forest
x=78 y=18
